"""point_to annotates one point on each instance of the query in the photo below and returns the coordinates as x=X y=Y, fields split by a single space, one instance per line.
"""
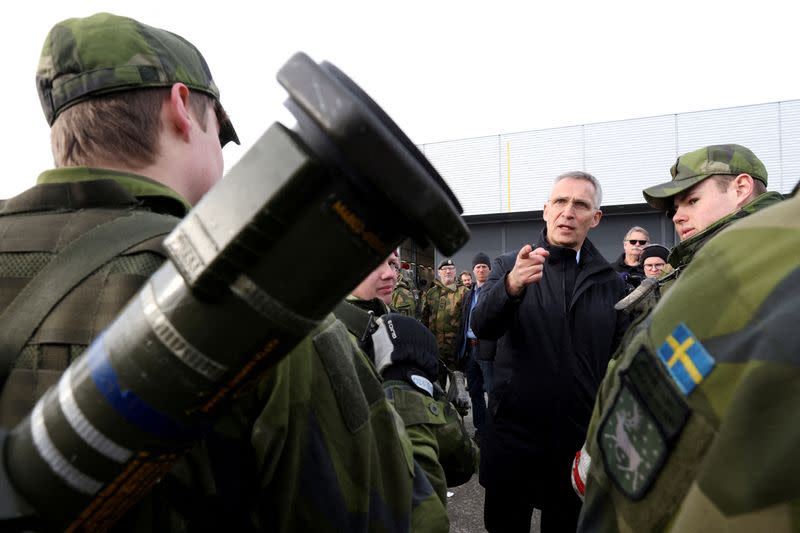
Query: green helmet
x=102 y=54
x=692 y=168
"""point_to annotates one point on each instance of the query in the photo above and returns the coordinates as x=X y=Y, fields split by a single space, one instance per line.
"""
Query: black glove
x=405 y=350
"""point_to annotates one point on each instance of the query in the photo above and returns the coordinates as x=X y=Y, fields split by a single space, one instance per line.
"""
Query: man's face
x=633 y=245
x=380 y=282
x=570 y=212
x=447 y=274
x=481 y=272
x=701 y=206
x=466 y=280
x=653 y=266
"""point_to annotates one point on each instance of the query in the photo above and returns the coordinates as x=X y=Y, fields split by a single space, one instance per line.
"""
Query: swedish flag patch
x=685 y=358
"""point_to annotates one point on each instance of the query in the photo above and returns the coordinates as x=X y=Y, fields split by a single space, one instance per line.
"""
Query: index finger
x=540 y=251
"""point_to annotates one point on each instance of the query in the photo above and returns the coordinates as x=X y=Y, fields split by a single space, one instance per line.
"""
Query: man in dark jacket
x=551 y=307
x=629 y=264
x=475 y=355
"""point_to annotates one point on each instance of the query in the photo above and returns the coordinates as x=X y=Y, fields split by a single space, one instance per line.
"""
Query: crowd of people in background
x=549 y=323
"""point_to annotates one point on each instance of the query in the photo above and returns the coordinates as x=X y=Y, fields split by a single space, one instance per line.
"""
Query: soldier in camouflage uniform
x=403 y=300
x=427 y=412
x=331 y=451
x=137 y=136
x=703 y=212
x=279 y=461
x=693 y=429
x=441 y=311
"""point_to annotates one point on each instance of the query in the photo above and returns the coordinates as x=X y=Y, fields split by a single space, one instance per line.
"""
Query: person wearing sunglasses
x=628 y=265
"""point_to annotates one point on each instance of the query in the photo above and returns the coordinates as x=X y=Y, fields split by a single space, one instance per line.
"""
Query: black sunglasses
x=634 y=241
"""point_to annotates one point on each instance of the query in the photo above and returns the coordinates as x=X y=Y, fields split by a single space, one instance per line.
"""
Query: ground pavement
x=465 y=506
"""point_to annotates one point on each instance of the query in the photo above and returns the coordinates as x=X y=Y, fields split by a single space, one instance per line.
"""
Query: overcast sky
x=442 y=69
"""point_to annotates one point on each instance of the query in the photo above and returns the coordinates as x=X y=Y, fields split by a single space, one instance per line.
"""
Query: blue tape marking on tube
x=126 y=402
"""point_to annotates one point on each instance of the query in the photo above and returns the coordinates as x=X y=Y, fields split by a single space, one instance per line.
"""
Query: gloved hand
x=405 y=350
x=580 y=471
x=457 y=391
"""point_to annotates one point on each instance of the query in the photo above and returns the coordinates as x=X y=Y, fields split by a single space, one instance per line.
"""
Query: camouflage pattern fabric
x=403 y=299
x=36 y=226
x=442 y=446
x=692 y=168
x=102 y=54
x=695 y=429
x=441 y=313
x=331 y=449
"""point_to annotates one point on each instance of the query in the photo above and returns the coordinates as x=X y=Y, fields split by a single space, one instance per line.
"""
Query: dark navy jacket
x=558 y=341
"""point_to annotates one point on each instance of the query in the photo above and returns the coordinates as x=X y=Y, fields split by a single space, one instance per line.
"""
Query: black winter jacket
x=558 y=342
x=632 y=275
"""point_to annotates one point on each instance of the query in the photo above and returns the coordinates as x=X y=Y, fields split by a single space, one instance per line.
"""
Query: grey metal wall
x=497 y=234
x=513 y=172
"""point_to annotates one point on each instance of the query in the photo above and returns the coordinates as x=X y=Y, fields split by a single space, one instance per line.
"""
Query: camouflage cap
x=692 y=168
x=104 y=53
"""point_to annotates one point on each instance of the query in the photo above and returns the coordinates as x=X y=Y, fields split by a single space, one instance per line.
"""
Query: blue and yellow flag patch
x=685 y=358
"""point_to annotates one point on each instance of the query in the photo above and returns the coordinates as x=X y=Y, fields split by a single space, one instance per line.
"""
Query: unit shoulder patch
x=638 y=431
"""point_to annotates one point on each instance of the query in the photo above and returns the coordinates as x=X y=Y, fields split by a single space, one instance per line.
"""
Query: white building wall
x=472 y=171
x=627 y=156
x=535 y=158
x=514 y=172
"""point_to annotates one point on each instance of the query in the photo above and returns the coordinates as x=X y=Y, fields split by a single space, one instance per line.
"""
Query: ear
x=596 y=218
x=743 y=187
x=178 y=116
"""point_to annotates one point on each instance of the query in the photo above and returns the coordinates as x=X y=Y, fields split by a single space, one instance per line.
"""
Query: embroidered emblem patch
x=686 y=359
x=632 y=445
x=645 y=419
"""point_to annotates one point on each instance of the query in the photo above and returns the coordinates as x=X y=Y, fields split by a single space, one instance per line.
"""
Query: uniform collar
x=141 y=187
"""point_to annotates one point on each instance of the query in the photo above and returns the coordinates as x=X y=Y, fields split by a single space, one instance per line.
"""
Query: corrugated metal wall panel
x=514 y=172
x=790 y=146
x=470 y=168
x=757 y=127
x=535 y=158
x=629 y=155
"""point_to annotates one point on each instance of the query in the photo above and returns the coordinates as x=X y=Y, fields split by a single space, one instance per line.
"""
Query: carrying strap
x=359 y=322
x=77 y=261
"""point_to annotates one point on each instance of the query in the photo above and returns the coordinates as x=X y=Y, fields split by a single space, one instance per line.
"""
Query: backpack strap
x=77 y=261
